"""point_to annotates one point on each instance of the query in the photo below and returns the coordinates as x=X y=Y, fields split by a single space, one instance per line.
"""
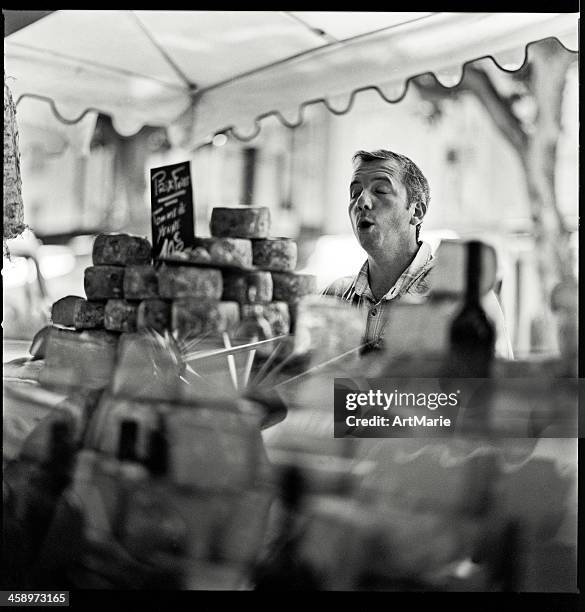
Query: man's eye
x=382 y=190
x=354 y=193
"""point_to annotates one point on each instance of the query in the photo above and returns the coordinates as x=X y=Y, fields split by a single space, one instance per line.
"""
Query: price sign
x=171 y=198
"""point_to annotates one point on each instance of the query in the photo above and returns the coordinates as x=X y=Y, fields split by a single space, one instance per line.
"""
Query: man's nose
x=364 y=201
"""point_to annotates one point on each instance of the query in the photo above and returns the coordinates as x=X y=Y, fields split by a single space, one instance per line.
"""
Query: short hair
x=415 y=182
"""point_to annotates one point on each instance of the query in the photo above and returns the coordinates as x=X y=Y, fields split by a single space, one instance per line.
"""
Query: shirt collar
x=421 y=260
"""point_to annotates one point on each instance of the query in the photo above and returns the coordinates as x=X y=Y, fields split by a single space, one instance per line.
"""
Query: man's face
x=378 y=205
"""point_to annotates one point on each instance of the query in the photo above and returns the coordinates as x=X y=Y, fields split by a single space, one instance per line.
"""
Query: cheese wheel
x=89 y=315
x=63 y=310
x=290 y=287
x=121 y=250
x=199 y=254
x=120 y=316
x=192 y=317
x=77 y=312
x=275 y=254
x=247 y=287
x=103 y=282
x=276 y=313
x=79 y=358
x=225 y=251
x=240 y=222
x=183 y=282
x=140 y=283
x=153 y=314
x=231 y=251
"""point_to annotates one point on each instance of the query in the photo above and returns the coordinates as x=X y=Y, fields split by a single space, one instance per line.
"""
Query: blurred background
x=464 y=139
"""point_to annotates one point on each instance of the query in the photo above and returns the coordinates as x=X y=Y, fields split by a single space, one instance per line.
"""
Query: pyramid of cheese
x=243 y=272
x=126 y=293
x=273 y=284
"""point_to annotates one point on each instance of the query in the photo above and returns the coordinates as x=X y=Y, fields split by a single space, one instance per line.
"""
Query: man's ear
x=419 y=210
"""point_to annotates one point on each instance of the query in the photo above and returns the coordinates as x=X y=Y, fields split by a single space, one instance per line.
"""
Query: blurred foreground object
x=32 y=490
x=327 y=328
x=448 y=274
x=286 y=569
x=13 y=211
x=456 y=271
x=564 y=306
x=473 y=335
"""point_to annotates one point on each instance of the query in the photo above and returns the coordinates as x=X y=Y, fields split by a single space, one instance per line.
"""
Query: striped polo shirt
x=356 y=290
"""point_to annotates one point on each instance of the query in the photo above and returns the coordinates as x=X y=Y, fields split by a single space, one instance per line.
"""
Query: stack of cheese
x=266 y=282
x=81 y=346
x=242 y=271
x=120 y=281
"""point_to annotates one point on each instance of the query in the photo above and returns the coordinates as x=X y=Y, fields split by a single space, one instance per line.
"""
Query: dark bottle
x=130 y=466
x=480 y=479
x=12 y=553
x=62 y=547
x=472 y=334
x=508 y=569
x=501 y=550
x=154 y=532
x=127 y=440
x=130 y=472
x=285 y=569
x=45 y=488
x=158 y=453
x=61 y=455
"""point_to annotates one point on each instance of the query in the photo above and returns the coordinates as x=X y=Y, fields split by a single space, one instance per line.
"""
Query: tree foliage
x=525 y=106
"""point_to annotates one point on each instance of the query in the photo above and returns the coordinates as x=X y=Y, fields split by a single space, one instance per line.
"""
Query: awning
x=204 y=72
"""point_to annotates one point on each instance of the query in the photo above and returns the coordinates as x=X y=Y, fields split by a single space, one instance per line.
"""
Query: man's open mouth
x=365 y=224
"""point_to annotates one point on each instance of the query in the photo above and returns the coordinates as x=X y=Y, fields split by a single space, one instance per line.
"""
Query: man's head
x=389 y=197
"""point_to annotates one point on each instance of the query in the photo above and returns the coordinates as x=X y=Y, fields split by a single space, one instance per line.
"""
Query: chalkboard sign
x=171 y=198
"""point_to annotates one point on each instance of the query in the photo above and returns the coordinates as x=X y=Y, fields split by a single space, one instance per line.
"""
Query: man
x=388 y=199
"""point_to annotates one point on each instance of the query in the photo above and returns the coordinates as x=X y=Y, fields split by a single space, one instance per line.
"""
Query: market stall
x=201 y=74
x=173 y=428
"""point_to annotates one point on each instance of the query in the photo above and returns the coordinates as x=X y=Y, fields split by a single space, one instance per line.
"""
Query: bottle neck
x=292 y=495
x=128 y=441
x=473 y=272
x=61 y=449
x=472 y=334
x=158 y=457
